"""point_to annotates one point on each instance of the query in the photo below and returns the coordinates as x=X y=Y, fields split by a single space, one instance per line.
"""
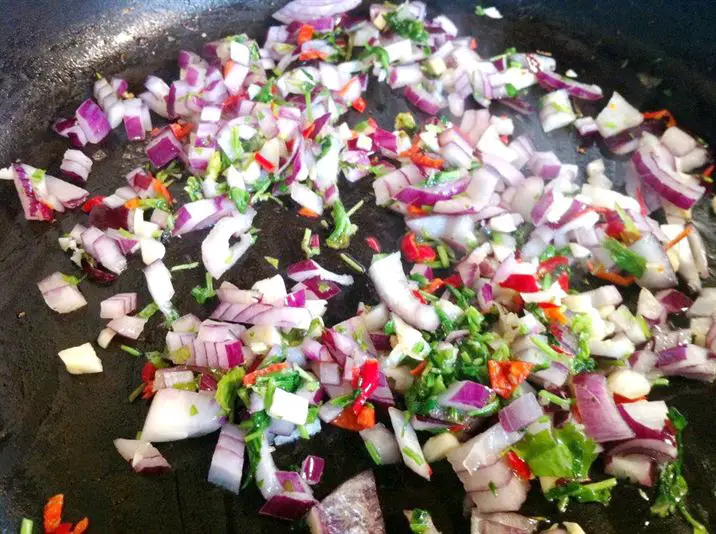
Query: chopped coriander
x=265 y=94
x=479 y=11
x=240 y=197
x=306 y=247
x=273 y=262
x=405 y=121
x=626 y=259
x=185 y=266
x=582 y=328
x=343 y=228
x=414 y=456
x=420 y=521
x=673 y=489
x=72 y=280
x=564 y=452
x=492 y=488
x=546 y=349
x=373 y=451
x=410 y=28
x=136 y=392
x=149 y=310
x=27 y=526
x=352 y=263
x=193 y=410
x=379 y=53
x=600 y=492
x=227 y=387
x=193 y=188
x=389 y=328
x=202 y=294
x=129 y=350
x=511 y=90
x=545 y=395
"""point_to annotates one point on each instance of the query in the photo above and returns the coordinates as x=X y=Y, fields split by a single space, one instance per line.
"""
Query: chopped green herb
x=405 y=121
x=343 y=228
x=411 y=28
x=265 y=94
x=511 y=90
x=273 y=262
x=193 y=410
x=130 y=350
x=565 y=404
x=149 y=310
x=479 y=11
x=373 y=451
x=240 y=197
x=202 y=294
x=673 y=489
x=306 y=247
x=27 y=526
x=492 y=488
x=420 y=521
x=379 y=53
x=185 y=266
x=414 y=456
x=72 y=280
x=600 y=492
x=389 y=328
x=136 y=392
x=564 y=452
x=626 y=259
x=352 y=263
x=227 y=388
x=582 y=328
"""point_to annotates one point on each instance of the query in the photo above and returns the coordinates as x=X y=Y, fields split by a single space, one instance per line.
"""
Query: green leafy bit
x=405 y=121
x=72 y=280
x=193 y=410
x=27 y=526
x=389 y=328
x=193 y=188
x=373 y=451
x=414 y=456
x=420 y=521
x=479 y=11
x=406 y=27
x=545 y=395
x=226 y=389
x=626 y=259
x=256 y=427
x=582 y=328
x=273 y=262
x=600 y=492
x=202 y=294
x=673 y=489
x=171 y=171
x=185 y=266
x=240 y=197
x=545 y=348
x=306 y=247
x=265 y=94
x=511 y=90
x=380 y=54
x=130 y=350
x=352 y=263
x=343 y=228
x=564 y=452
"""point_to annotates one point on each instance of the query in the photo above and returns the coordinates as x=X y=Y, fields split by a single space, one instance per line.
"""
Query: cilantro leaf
x=343 y=228
x=227 y=388
x=559 y=452
x=600 y=492
x=626 y=259
x=406 y=27
x=202 y=294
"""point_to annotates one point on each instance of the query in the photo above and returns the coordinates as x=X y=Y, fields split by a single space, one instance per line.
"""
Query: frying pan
x=56 y=430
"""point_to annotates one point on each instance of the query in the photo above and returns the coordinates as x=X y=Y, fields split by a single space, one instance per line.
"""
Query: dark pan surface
x=56 y=430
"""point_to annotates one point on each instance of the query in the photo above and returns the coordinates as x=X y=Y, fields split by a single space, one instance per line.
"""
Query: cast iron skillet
x=56 y=430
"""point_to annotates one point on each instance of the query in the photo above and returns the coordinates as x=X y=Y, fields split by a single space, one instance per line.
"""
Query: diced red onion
x=228 y=460
x=520 y=413
x=596 y=406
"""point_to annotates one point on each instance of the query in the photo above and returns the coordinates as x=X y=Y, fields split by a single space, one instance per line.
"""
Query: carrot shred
x=661 y=114
x=415 y=210
x=162 y=190
x=312 y=54
x=305 y=212
x=181 y=130
x=418 y=370
x=250 y=379
x=52 y=513
x=434 y=285
x=132 y=203
x=615 y=278
x=304 y=34
x=684 y=233
x=227 y=67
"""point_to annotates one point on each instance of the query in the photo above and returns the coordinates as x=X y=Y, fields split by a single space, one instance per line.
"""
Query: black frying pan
x=56 y=430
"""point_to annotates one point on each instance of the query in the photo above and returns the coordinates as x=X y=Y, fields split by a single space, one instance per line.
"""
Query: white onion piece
x=129 y=327
x=408 y=443
x=384 y=443
x=305 y=197
x=392 y=287
x=60 y=295
x=228 y=460
x=81 y=360
x=170 y=416
x=105 y=337
x=618 y=115
x=216 y=253
x=159 y=282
